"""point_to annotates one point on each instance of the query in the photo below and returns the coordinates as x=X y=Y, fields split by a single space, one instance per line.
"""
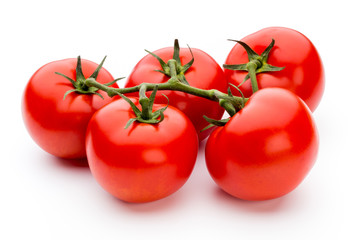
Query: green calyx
x=257 y=64
x=146 y=114
x=179 y=69
x=79 y=83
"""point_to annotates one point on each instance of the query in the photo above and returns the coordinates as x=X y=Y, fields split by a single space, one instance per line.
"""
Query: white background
x=48 y=198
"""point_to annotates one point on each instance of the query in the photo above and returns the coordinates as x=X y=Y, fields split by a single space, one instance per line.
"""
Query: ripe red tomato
x=266 y=149
x=204 y=73
x=56 y=124
x=303 y=73
x=144 y=162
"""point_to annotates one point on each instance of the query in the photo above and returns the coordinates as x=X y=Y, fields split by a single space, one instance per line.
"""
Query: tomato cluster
x=142 y=149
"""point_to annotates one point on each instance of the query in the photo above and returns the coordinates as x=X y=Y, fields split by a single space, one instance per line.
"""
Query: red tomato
x=144 y=162
x=205 y=73
x=266 y=149
x=58 y=125
x=303 y=73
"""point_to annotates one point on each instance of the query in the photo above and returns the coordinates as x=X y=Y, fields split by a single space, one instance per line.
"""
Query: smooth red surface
x=205 y=73
x=144 y=162
x=303 y=73
x=58 y=126
x=266 y=149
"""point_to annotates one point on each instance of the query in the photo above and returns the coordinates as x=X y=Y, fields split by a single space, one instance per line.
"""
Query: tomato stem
x=145 y=103
x=172 y=63
x=252 y=66
x=175 y=85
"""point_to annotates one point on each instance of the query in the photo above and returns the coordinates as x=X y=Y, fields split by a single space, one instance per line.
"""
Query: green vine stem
x=230 y=103
x=252 y=66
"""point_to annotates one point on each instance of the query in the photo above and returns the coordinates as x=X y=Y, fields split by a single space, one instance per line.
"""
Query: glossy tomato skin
x=205 y=73
x=59 y=126
x=266 y=149
x=303 y=73
x=144 y=162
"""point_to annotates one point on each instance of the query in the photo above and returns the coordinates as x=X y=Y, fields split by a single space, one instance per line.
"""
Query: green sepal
x=234 y=86
x=190 y=63
x=133 y=106
x=152 y=96
x=164 y=66
x=244 y=80
x=214 y=122
x=269 y=68
x=251 y=53
x=266 y=52
x=72 y=81
x=161 y=71
x=98 y=94
x=112 y=82
x=131 y=121
x=67 y=92
x=229 y=92
x=184 y=68
x=160 y=112
x=176 y=54
x=241 y=67
x=97 y=70
x=79 y=73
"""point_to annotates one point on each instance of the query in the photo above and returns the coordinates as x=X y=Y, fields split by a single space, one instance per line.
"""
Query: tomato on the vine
x=55 y=112
x=303 y=71
x=204 y=73
x=266 y=149
x=143 y=162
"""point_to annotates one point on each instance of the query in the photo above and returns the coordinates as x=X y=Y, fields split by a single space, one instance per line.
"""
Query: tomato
x=204 y=73
x=266 y=149
x=58 y=124
x=144 y=162
x=303 y=73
